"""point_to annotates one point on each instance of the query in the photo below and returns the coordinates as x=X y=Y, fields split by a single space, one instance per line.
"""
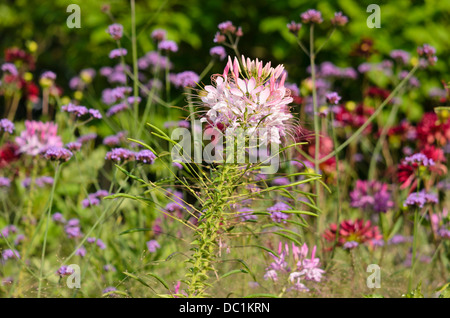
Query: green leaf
x=162 y=281
x=236 y=271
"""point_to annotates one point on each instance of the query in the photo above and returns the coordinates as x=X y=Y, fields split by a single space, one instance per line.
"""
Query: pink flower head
x=38 y=137
x=251 y=98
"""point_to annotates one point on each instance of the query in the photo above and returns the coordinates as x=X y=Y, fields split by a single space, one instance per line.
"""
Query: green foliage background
x=405 y=24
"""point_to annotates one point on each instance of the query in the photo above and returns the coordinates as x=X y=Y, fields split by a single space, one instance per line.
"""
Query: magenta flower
x=38 y=137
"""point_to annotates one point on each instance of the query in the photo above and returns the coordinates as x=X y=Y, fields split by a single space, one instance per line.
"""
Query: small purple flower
x=145 y=156
x=58 y=154
x=159 y=35
x=48 y=75
x=6 y=125
x=167 y=45
x=9 y=229
x=85 y=138
x=279 y=217
x=95 y=113
x=114 y=140
x=65 y=271
x=115 y=30
x=350 y=245
x=116 y=109
x=132 y=99
x=429 y=52
x=420 y=199
x=10 y=68
x=10 y=254
x=100 y=244
x=4 y=182
x=311 y=16
x=372 y=196
x=294 y=27
x=117 y=53
x=185 y=79
x=58 y=218
x=246 y=214
x=73 y=231
x=120 y=154
x=152 y=246
x=401 y=56
x=81 y=251
x=333 y=98
x=219 y=52
x=420 y=159
x=75 y=109
x=91 y=240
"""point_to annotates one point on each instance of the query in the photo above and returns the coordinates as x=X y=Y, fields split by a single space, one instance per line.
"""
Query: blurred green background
x=405 y=24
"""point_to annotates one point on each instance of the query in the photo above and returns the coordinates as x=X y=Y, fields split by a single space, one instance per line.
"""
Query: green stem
x=44 y=245
x=414 y=250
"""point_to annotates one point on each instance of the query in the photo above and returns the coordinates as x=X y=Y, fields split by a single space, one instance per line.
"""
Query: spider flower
x=38 y=137
x=249 y=98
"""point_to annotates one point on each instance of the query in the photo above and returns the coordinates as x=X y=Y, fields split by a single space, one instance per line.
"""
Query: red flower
x=356 y=231
x=430 y=130
x=15 y=54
